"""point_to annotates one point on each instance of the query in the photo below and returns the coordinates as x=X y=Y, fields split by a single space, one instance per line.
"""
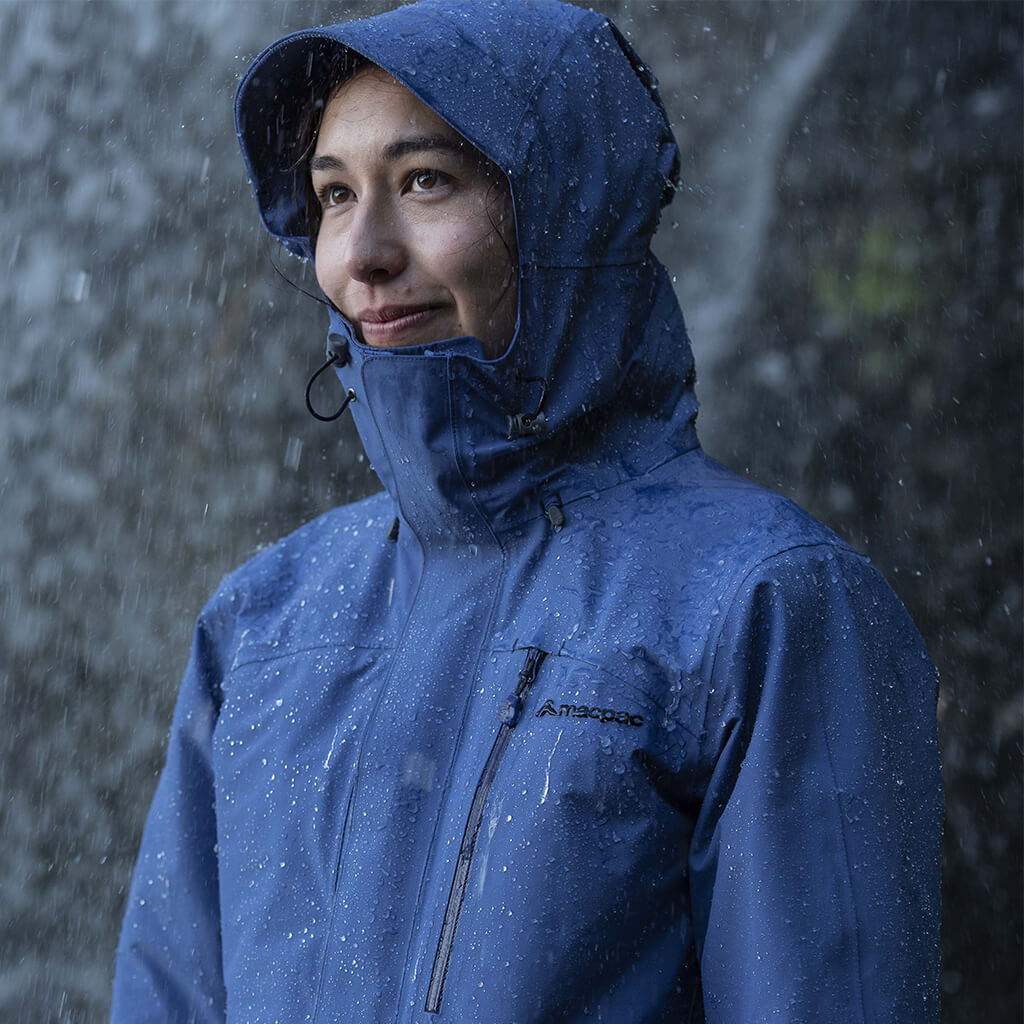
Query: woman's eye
x=335 y=195
x=424 y=181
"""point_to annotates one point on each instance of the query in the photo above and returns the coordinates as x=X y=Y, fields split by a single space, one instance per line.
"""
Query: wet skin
x=415 y=231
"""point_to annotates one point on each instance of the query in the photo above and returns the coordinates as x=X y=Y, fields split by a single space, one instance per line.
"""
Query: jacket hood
x=556 y=97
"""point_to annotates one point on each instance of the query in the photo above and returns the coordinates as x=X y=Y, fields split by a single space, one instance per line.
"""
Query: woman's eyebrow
x=420 y=143
x=395 y=151
x=326 y=163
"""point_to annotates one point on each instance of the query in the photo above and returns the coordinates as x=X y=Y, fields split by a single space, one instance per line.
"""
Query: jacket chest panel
x=573 y=842
x=283 y=760
x=359 y=768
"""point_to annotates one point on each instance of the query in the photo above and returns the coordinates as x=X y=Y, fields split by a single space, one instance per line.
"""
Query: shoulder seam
x=715 y=643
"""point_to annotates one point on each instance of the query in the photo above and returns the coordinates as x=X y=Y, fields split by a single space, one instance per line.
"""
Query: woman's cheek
x=328 y=270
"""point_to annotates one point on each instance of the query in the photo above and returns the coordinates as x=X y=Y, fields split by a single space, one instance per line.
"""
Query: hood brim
x=271 y=103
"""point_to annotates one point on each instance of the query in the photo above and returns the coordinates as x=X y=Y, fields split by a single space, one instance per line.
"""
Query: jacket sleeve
x=169 y=956
x=815 y=859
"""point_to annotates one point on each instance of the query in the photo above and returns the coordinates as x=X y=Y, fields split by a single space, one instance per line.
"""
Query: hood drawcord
x=529 y=424
x=553 y=510
x=337 y=354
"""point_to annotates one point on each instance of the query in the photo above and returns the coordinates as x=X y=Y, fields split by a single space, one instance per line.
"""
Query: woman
x=569 y=721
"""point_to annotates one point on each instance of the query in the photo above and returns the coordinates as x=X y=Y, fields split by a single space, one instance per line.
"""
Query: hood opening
x=556 y=98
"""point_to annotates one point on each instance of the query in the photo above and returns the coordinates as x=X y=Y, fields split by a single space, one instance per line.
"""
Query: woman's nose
x=374 y=251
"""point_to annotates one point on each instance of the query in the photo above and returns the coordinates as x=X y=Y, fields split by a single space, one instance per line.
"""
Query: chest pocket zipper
x=509 y=714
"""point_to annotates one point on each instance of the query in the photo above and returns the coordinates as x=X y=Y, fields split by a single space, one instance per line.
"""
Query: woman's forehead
x=370 y=74
x=371 y=111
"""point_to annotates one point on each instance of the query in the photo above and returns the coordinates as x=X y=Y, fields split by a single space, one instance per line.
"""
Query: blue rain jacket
x=604 y=732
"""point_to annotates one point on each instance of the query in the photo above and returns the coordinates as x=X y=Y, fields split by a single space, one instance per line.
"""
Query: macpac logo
x=582 y=711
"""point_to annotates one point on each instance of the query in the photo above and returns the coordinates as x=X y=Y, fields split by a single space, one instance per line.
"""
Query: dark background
x=847 y=247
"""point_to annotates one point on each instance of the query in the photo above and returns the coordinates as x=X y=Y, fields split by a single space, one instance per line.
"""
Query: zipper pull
x=512 y=706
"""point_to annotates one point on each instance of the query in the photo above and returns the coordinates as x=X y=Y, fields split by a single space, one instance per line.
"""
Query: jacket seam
x=325 y=952
x=715 y=643
x=472 y=44
x=848 y=879
x=257 y=660
x=382 y=690
x=397 y=499
x=838 y=546
x=641 y=259
x=456 y=451
x=432 y=857
x=624 y=481
x=542 y=78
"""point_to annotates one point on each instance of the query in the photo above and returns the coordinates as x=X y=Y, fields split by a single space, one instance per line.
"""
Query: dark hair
x=338 y=66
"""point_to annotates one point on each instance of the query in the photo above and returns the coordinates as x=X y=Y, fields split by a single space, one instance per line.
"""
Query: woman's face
x=413 y=221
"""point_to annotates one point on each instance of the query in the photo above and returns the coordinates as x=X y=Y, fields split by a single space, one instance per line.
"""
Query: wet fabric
x=602 y=731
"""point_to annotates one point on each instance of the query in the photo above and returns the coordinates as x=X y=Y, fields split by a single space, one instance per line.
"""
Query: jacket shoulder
x=759 y=521
x=706 y=524
x=306 y=559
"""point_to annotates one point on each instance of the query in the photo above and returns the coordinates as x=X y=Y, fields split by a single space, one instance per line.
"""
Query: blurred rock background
x=847 y=247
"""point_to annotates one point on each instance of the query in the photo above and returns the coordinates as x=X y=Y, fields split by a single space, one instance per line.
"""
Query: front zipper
x=509 y=714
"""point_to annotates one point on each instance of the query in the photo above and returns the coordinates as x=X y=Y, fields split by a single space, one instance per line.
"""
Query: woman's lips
x=387 y=325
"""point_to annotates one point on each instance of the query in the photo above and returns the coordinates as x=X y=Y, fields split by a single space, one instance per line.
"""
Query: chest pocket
x=578 y=756
x=578 y=859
